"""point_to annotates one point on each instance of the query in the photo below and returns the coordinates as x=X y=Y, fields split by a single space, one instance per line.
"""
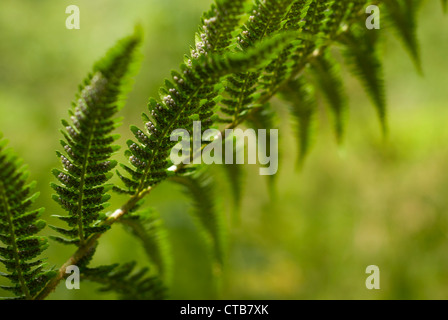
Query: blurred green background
x=372 y=201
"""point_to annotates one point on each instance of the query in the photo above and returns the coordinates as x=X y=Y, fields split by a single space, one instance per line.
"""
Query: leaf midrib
x=85 y=163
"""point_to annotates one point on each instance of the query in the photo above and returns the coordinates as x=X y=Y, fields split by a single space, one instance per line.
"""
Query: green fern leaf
x=303 y=107
x=18 y=229
x=187 y=96
x=235 y=174
x=218 y=24
x=129 y=283
x=215 y=37
x=319 y=24
x=326 y=72
x=147 y=226
x=403 y=15
x=362 y=59
x=199 y=188
x=88 y=143
x=263 y=119
x=241 y=88
x=265 y=20
x=280 y=67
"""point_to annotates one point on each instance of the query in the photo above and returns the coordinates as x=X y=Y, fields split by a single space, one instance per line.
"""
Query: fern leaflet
x=129 y=283
x=199 y=186
x=89 y=145
x=18 y=226
x=147 y=226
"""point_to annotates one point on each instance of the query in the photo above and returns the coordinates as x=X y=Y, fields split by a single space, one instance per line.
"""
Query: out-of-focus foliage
x=21 y=248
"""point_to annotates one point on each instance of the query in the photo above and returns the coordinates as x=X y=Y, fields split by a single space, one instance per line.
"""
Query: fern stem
x=25 y=290
x=81 y=189
x=90 y=243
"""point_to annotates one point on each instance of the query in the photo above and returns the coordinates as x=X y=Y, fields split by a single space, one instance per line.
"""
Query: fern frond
x=147 y=226
x=199 y=188
x=318 y=24
x=327 y=18
x=129 y=283
x=265 y=20
x=241 y=88
x=181 y=100
x=403 y=15
x=88 y=143
x=326 y=73
x=322 y=21
x=18 y=229
x=265 y=118
x=236 y=175
x=217 y=26
x=279 y=68
x=311 y=15
x=303 y=107
x=215 y=37
x=362 y=58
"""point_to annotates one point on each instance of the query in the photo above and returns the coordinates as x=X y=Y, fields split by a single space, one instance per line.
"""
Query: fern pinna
x=126 y=281
x=243 y=55
x=265 y=20
x=88 y=144
x=18 y=228
x=147 y=226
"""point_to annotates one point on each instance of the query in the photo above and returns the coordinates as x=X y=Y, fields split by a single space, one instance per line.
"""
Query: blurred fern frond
x=199 y=187
x=403 y=16
x=361 y=52
x=301 y=99
x=180 y=102
x=328 y=78
x=147 y=226
x=126 y=281
x=18 y=228
x=243 y=56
